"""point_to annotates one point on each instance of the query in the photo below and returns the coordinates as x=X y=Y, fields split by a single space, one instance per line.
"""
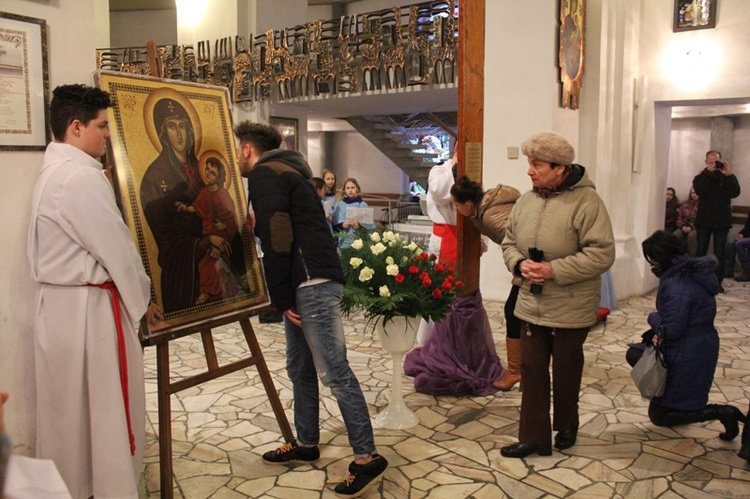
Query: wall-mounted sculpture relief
x=355 y=53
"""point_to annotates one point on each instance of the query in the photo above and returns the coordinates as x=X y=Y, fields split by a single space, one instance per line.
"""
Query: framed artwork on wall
x=24 y=82
x=571 y=37
x=694 y=14
x=178 y=183
x=289 y=130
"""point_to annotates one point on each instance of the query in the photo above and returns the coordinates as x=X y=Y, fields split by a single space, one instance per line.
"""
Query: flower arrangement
x=389 y=276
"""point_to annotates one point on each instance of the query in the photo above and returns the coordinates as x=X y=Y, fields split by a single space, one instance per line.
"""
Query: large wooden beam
x=470 y=127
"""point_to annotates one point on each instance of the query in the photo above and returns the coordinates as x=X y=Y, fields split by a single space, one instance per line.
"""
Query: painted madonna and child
x=183 y=197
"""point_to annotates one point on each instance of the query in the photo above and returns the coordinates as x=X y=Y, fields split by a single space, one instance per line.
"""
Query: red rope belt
x=121 y=354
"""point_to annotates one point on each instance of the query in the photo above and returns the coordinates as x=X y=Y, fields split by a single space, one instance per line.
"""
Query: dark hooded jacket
x=685 y=312
x=291 y=224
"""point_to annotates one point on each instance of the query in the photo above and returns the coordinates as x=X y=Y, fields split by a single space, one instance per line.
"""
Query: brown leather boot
x=513 y=373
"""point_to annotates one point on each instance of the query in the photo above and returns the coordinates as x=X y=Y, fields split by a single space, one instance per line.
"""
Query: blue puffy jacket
x=685 y=312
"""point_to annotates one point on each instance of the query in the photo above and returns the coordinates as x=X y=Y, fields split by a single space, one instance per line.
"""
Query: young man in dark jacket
x=716 y=185
x=740 y=248
x=305 y=280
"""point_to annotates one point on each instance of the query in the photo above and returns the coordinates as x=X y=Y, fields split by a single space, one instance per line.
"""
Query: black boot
x=566 y=438
x=744 y=452
x=729 y=416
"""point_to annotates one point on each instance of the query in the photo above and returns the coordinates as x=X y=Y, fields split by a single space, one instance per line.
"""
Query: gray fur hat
x=549 y=146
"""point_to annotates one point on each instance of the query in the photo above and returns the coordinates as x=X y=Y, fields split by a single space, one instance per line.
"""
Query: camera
x=719 y=165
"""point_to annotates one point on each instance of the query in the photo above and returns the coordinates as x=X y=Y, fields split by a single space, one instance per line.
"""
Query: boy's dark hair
x=75 y=102
x=466 y=189
x=662 y=247
x=262 y=137
x=318 y=183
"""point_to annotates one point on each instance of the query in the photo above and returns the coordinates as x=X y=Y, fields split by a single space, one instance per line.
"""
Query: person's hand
x=3 y=398
x=180 y=206
x=687 y=229
x=154 y=314
x=250 y=221
x=214 y=252
x=219 y=243
x=294 y=317
x=219 y=224
x=739 y=236
x=536 y=272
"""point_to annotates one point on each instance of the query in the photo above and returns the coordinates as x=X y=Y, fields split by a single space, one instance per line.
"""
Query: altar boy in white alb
x=90 y=413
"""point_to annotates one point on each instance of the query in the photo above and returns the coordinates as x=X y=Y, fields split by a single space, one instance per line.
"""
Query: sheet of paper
x=361 y=215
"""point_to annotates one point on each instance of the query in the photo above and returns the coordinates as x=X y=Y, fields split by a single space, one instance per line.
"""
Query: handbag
x=650 y=373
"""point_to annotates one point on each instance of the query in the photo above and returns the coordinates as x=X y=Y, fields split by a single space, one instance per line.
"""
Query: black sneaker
x=361 y=476
x=292 y=453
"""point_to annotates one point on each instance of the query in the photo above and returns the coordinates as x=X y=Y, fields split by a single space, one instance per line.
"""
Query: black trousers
x=720 y=243
x=512 y=323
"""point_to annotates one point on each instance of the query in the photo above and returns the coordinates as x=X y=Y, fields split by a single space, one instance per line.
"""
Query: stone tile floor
x=221 y=428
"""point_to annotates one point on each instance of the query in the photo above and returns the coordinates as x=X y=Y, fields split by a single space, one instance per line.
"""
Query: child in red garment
x=214 y=206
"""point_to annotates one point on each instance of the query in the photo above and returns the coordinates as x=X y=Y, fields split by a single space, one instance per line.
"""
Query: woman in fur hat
x=559 y=241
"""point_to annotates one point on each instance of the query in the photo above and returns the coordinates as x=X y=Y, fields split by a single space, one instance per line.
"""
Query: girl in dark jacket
x=684 y=320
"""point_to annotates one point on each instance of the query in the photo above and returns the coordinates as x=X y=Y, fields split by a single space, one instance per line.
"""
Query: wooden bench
x=739 y=214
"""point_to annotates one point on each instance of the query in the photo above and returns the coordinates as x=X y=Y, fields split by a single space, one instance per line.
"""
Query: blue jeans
x=318 y=350
x=741 y=249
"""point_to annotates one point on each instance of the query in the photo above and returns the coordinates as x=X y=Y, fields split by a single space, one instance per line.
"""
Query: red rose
x=426 y=281
x=414 y=269
x=449 y=267
x=459 y=284
x=400 y=278
x=437 y=294
x=440 y=267
x=424 y=275
x=447 y=284
x=433 y=256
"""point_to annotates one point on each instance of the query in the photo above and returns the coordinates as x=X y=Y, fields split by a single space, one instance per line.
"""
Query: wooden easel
x=166 y=387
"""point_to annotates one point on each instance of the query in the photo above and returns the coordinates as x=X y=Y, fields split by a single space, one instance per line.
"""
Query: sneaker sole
x=291 y=461
x=375 y=480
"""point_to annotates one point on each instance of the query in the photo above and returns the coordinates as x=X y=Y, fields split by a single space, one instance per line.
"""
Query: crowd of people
x=556 y=241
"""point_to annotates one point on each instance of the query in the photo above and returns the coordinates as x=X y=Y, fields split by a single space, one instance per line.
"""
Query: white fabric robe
x=77 y=236
x=441 y=210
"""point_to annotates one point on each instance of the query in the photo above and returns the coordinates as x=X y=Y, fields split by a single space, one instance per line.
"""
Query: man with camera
x=716 y=185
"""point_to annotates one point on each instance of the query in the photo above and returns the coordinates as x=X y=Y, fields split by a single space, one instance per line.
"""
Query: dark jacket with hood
x=291 y=224
x=685 y=312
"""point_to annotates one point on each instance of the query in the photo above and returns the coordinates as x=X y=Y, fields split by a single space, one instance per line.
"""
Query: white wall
x=520 y=100
x=721 y=70
x=273 y=14
x=689 y=141
x=354 y=156
x=72 y=41
x=134 y=28
x=741 y=157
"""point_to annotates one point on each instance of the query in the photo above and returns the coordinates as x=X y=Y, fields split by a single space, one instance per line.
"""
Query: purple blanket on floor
x=459 y=358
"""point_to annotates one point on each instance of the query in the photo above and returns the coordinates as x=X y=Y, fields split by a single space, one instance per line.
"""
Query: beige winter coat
x=572 y=227
x=493 y=211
